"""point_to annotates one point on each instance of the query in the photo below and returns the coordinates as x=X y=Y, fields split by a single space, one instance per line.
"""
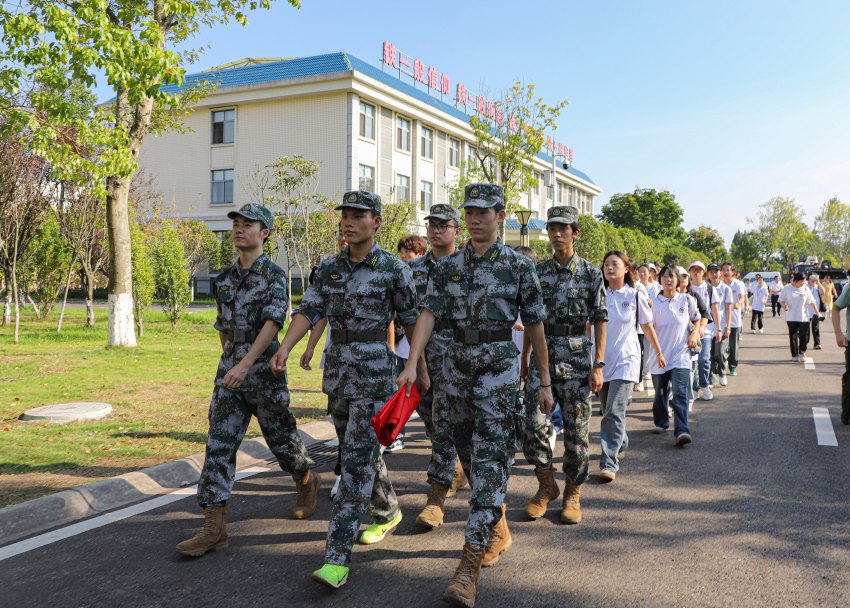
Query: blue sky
x=726 y=104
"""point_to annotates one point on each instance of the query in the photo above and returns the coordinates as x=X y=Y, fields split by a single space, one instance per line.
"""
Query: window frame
x=224 y=181
x=398 y=187
x=398 y=133
x=423 y=204
x=429 y=141
x=224 y=122
x=361 y=177
x=362 y=120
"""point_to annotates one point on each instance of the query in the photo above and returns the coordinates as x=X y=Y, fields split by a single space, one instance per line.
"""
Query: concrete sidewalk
x=38 y=515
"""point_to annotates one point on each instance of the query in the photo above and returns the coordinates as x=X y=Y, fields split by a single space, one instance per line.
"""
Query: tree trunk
x=65 y=295
x=121 y=329
x=35 y=307
x=7 y=305
x=16 y=295
x=89 y=299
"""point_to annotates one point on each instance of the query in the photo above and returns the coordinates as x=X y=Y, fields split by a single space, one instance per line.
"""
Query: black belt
x=347 y=336
x=472 y=337
x=242 y=336
x=442 y=325
x=563 y=331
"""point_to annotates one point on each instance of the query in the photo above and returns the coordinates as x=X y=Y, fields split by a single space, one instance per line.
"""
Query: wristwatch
x=599 y=364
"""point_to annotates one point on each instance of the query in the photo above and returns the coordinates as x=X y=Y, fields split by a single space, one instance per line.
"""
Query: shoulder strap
x=637 y=308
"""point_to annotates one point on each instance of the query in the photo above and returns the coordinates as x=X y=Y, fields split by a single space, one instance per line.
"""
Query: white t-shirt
x=759 y=295
x=641 y=288
x=776 y=287
x=670 y=319
x=653 y=290
x=816 y=296
x=622 y=349
x=725 y=297
x=798 y=300
x=738 y=289
x=702 y=290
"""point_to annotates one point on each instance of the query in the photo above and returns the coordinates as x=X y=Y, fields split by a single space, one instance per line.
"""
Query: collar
x=570 y=265
x=258 y=265
x=370 y=260
x=492 y=254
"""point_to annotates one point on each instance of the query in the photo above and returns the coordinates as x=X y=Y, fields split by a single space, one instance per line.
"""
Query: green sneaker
x=732 y=372
x=376 y=532
x=331 y=575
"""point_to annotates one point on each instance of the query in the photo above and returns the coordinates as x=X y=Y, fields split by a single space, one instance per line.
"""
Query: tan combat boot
x=432 y=515
x=461 y=591
x=546 y=490
x=307 y=488
x=571 y=512
x=458 y=480
x=212 y=536
x=500 y=541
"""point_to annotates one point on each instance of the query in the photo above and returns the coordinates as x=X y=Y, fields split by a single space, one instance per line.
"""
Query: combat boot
x=500 y=541
x=432 y=515
x=212 y=536
x=458 y=480
x=546 y=490
x=461 y=591
x=307 y=488
x=571 y=511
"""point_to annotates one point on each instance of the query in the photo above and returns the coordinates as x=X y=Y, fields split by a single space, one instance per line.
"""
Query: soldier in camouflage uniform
x=480 y=290
x=574 y=296
x=252 y=302
x=444 y=471
x=359 y=291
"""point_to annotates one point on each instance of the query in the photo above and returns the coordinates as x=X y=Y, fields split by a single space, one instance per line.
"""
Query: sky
x=725 y=104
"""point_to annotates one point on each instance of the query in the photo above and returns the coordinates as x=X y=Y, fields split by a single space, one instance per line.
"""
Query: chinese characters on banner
x=434 y=80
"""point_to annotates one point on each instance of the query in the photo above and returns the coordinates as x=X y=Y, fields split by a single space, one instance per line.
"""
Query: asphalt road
x=753 y=513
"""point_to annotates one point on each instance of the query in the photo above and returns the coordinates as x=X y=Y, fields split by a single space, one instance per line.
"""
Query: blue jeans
x=702 y=371
x=614 y=397
x=676 y=380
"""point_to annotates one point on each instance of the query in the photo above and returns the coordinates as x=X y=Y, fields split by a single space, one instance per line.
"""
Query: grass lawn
x=160 y=392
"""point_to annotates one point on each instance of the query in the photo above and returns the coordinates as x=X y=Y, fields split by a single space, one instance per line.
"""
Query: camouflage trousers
x=229 y=415
x=365 y=483
x=574 y=398
x=435 y=414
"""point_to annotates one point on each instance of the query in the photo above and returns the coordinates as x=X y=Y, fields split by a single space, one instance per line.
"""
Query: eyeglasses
x=438 y=227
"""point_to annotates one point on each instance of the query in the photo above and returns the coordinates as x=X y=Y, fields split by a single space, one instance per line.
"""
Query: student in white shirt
x=798 y=304
x=760 y=291
x=814 y=323
x=720 y=350
x=628 y=308
x=711 y=299
x=739 y=299
x=672 y=312
x=775 y=289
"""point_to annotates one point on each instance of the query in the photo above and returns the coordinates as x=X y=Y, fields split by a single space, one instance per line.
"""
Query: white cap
x=698 y=264
x=681 y=270
x=651 y=266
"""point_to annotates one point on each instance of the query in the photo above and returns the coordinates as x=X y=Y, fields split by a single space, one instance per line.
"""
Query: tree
x=745 y=251
x=201 y=246
x=591 y=241
x=134 y=46
x=656 y=214
x=45 y=266
x=395 y=224
x=169 y=272
x=637 y=245
x=707 y=241
x=832 y=229
x=611 y=239
x=780 y=230
x=144 y=286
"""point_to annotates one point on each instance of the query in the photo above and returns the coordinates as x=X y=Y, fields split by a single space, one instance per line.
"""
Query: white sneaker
x=335 y=489
x=700 y=394
x=752 y=331
x=670 y=412
x=707 y=395
x=761 y=331
x=639 y=386
x=691 y=405
x=395 y=446
x=723 y=381
x=650 y=392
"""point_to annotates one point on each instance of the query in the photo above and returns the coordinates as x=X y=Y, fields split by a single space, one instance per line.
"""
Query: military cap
x=562 y=215
x=483 y=196
x=253 y=211
x=360 y=199
x=714 y=266
x=444 y=212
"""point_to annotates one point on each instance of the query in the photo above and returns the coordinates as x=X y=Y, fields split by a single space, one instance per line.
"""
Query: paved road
x=753 y=513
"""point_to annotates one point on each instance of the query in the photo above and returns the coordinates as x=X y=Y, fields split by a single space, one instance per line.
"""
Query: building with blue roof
x=368 y=128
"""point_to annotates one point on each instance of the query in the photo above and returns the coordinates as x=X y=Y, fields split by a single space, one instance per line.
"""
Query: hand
x=718 y=338
x=236 y=376
x=406 y=377
x=726 y=332
x=423 y=383
x=594 y=382
x=305 y=359
x=278 y=362
x=841 y=340
x=523 y=371
x=519 y=326
x=545 y=399
x=693 y=339
x=662 y=362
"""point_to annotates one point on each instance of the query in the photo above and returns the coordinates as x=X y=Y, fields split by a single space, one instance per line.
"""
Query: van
x=766 y=275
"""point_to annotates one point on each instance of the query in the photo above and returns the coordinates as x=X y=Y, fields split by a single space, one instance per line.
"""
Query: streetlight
x=523 y=215
x=553 y=180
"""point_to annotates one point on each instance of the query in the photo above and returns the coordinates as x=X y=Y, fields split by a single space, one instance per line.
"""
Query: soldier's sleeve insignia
x=455 y=278
x=418 y=273
x=336 y=276
x=544 y=284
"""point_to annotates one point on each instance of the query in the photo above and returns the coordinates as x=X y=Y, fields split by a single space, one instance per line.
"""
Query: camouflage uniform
x=481 y=371
x=359 y=300
x=574 y=296
x=245 y=300
x=432 y=409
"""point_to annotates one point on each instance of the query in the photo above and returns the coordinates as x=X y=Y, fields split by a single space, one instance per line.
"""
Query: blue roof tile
x=533 y=224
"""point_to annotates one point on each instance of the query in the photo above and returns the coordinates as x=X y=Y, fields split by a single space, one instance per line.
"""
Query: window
x=222 y=187
x=402 y=133
x=535 y=184
x=454 y=152
x=367 y=178
x=426 y=195
x=471 y=159
x=427 y=143
x=402 y=188
x=223 y=122
x=367 y=120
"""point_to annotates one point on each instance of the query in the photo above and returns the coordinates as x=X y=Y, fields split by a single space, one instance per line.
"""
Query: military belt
x=442 y=325
x=563 y=331
x=346 y=336
x=472 y=337
x=243 y=336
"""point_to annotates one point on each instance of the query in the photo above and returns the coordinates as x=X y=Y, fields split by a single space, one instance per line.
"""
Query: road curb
x=41 y=514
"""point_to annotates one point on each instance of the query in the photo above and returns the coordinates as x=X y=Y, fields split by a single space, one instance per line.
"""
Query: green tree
x=134 y=46
x=201 y=246
x=745 y=251
x=144 y=286
x=780 y=230
x=45 y=266
x=637 y=245
x=169 y=272
x=654 y=213
x=707 y=241
x=832 y=229
x=591 y=240
x=612 y=239
x=395 y=224
x=542 y=248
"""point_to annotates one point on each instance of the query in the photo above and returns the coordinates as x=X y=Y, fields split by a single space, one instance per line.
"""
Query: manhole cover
x=68 y=412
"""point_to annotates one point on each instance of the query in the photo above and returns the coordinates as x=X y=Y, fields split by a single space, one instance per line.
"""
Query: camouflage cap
x=483 y=195
x=444 y=212
x=253 y=211
x=562 y=215
x=360 y=199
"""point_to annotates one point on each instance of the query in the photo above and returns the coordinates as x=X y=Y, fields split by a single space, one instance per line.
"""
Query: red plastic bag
x=395 y=413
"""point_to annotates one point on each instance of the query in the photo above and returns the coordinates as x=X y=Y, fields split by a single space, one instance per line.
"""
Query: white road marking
x=109 y=518
x=809 y=363
x=823 y=427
